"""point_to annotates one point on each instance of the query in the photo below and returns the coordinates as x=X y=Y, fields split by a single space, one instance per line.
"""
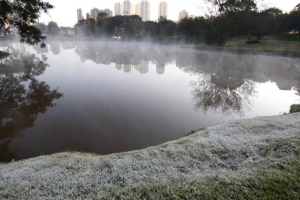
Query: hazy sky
x=64 y=12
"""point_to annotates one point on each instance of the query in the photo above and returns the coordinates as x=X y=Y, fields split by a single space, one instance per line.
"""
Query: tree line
x=225 y=20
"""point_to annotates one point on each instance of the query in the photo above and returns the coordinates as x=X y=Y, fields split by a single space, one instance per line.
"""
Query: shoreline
x=241 y=51
x=249 y=158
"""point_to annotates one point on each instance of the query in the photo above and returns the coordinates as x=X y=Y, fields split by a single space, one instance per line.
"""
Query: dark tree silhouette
x=22 y=98
x=23 y=15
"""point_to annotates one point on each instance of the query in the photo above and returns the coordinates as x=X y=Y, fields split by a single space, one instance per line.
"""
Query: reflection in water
x=143 y=67
x=126 y=55
x=41 y=50
x=226 y=81
x=22 y=97
x=210 y=93
x=55 y=48
x=127 y=68
x=121 y=117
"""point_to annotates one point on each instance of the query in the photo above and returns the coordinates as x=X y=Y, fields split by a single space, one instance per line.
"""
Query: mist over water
x=108 y=97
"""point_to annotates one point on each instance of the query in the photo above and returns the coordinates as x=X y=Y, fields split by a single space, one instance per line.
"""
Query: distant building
x=162 y=10
x=118 y=10
x=79 y=14
x=137 y=10
x=94 y=13
x=145 y=10
x=183 y=14
x=88 y=16
x=127 y=8
x=66 y=31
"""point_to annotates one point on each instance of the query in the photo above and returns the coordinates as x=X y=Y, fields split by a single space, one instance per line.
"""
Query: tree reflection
x=55 y=48
x=231 y=96
x=226 y=82
x=22 y=97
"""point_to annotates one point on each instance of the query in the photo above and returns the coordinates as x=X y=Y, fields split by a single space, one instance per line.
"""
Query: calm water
x=111 y=97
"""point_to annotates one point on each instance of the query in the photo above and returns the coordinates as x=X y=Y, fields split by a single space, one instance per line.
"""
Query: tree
x=53 y=28
x=192 y=28
x=227 y=19
x=266 y=22
x=42 y=27
x=165 y=30
x=23 y=15
x=293 y=21
x=102 y=15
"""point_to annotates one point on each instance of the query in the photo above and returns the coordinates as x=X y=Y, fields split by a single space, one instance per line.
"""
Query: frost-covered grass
x=249 y=159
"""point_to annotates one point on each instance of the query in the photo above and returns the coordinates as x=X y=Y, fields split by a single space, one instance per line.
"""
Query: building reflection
x=160 y=67
x=127 y=68
x=119 y=66
x=133 y=54
x=143 y=67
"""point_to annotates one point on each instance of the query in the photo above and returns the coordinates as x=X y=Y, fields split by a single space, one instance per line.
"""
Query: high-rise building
x=127 y=8
x=162 y=10
x=145 y=10
x=79 y=14
x=109 y=12
x=183 y=14
x=137 y=9
x=94 y=13
x=118 y=9
x=88 y=16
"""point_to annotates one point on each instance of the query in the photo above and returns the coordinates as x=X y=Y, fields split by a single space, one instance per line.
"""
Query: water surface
x=113 y=97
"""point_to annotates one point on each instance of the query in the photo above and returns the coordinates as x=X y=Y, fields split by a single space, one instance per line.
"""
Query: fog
x=109 y=97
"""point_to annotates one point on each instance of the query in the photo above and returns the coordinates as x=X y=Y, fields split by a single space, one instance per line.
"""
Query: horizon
x=193 y=7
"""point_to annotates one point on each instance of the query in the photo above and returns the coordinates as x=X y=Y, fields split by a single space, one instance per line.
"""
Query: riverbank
x=278 y=46
x=248 y=159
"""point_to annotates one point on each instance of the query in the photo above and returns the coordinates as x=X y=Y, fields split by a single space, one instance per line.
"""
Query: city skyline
x=193 y=7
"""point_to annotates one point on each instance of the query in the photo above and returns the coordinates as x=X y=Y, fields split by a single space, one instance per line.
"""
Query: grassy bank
x=283 y=45
x=249 y=159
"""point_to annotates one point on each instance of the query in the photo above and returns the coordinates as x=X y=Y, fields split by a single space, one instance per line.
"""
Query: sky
x=65 y=11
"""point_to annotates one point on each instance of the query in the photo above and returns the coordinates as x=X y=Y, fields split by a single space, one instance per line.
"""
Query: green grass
x=280 y=184
x=283 y=45
x=181 y=142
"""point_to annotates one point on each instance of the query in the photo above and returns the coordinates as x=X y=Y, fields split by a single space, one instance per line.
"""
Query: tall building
x=118 y=9
x=94 y=13
x=137 y=10
x=145 y=10
x=163 y=10
x=88 y=16
x=183 y=14
x=79 y=14
x=127 y=8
